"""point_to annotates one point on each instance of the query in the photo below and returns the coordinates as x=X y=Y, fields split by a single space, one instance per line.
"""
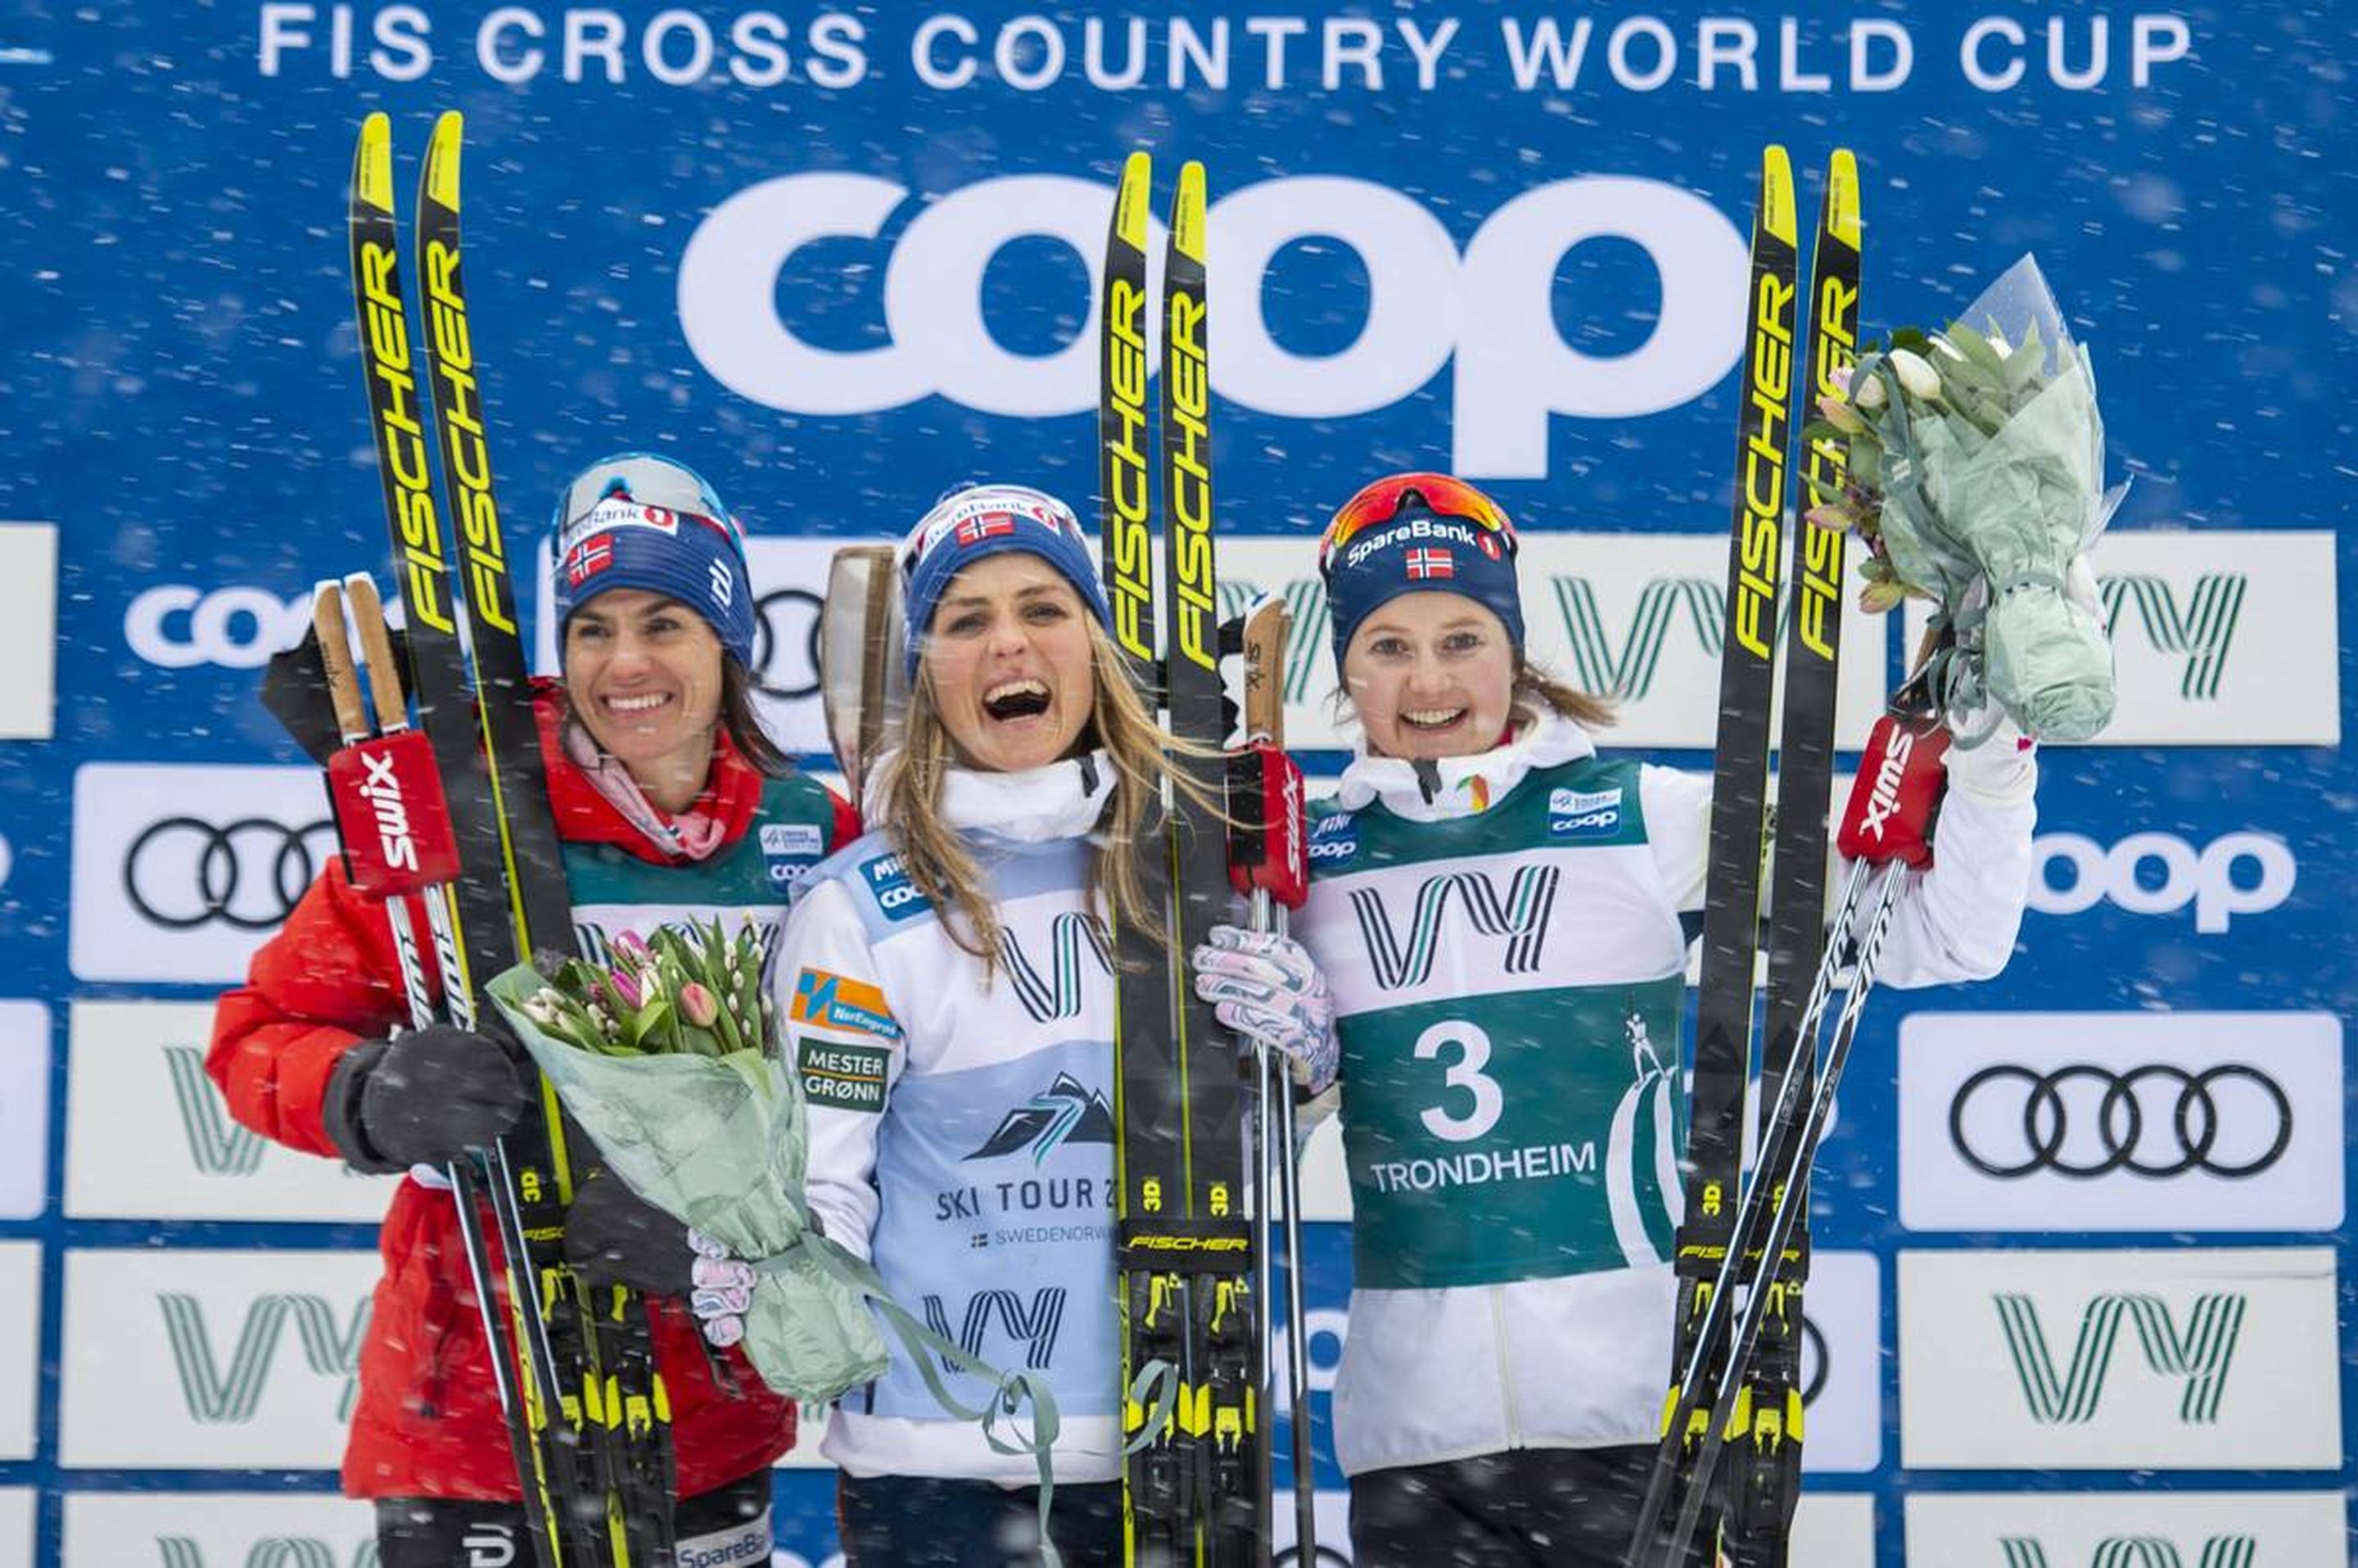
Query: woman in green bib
x=1491 y=969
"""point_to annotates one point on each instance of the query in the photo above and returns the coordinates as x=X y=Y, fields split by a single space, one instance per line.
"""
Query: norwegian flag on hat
x=588 y=559
x=975 y=530
x=1425 y=561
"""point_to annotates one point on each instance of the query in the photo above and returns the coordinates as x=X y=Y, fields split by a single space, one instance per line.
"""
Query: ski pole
x=1886 y=824
x=383 y=760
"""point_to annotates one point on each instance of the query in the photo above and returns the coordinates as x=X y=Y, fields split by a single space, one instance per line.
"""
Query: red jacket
x=427 y=1421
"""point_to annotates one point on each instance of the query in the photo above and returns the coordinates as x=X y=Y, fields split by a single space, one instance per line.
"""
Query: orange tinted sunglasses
x=1443 y=496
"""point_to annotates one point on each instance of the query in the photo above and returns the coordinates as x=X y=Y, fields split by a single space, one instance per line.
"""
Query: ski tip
x=1842 y=197
x=325 y=591
x=1188 y=212
x=373 y=163
x=1131 y=199
x=442 y=159
x=1776 y=194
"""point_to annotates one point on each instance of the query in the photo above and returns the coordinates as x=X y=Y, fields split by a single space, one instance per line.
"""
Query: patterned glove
x=721 y=1288
x=1265 y=988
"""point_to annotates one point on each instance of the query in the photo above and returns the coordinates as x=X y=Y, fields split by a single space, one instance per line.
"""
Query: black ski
x=1739 y=809
x=1196 y=1489
x=1765 y=1479
x=585 y=1504
x=623 y=1404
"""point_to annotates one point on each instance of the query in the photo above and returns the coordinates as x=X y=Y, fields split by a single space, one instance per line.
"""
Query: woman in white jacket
x=950 y=1006
x=1495 y=970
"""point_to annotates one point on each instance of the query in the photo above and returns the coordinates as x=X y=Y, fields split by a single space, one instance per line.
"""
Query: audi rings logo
x=785 y=643
x=181 y=873
x=2082 y=1120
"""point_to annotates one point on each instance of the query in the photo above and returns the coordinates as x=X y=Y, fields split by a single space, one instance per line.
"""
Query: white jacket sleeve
x=1959 y=920
x=824 y=939
x=1956 y=922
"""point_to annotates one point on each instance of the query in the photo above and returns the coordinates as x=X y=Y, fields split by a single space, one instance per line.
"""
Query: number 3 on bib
x=1472 y=1047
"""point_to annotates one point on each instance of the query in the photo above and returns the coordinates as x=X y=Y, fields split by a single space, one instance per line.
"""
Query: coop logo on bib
x=791 y=849
x=896 y=894
x=1334 y=839
x=1584 y=813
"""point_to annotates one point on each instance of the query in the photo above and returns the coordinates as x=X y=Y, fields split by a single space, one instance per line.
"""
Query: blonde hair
x=941 y=864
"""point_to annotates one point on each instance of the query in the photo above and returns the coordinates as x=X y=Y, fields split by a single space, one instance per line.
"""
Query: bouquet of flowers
x=667 y=1057
x=1976 y=477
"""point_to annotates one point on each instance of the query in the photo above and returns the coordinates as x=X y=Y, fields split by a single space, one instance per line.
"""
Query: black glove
x=423 y=1098
x=613 y=1237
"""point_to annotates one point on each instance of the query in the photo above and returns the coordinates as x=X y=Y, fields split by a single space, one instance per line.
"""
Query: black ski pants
x=728 y=1524
x=1527 y=1507
x=916 y=1521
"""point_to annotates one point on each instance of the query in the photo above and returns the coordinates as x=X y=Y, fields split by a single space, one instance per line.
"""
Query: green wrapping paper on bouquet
x=1977 y=460
x=716 y=1138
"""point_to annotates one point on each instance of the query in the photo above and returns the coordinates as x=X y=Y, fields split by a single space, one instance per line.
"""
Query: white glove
x=723 y=1289
x=1265 y=988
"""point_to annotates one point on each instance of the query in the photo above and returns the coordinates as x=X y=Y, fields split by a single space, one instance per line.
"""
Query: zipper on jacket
x=1506 y=1367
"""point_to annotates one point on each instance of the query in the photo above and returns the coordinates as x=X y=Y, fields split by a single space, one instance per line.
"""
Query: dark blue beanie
x=635 y=520
x=1418 y=534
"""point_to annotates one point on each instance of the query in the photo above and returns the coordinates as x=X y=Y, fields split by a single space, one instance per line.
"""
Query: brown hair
x=936 y=856
x=742 y=721
x=1536 y=688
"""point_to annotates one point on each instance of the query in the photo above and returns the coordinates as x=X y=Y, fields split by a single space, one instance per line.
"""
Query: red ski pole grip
x=1267 y=848
x=1897 y=793
x=391 y=815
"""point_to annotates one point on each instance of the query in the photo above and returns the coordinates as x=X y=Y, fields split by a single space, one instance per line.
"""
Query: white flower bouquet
x=1976 y=477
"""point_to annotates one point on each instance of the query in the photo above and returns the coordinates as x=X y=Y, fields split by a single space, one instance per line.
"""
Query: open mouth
x=1430 y=717
x=636 y=707
x=1016 y=699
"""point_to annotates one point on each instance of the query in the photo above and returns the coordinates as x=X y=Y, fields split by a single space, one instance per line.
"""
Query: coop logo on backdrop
x=1511 y=369
x=234 y=1359
x=2162 y=1121
x=137 y=1080
x=2218 y=881
x=180 y=872
x=2145 y=1529
x=2172 y=1360
x=179 y=625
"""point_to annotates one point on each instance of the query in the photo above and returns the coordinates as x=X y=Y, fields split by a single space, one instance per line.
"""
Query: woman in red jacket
x=659 y=775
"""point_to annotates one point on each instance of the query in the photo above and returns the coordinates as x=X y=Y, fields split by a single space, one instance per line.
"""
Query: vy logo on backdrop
x=2206 y=628
x=1633 y=616
x=2159 y=1122
x=180 y=872
x=137 y=1080
x=231 y=1530
x=2145 y=1529
x=2187 y=1360
x=234 y=1359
